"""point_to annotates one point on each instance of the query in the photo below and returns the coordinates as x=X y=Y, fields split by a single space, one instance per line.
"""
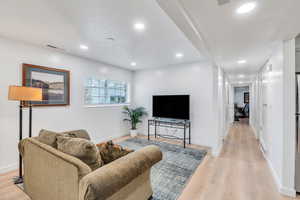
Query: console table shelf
x=174 y=124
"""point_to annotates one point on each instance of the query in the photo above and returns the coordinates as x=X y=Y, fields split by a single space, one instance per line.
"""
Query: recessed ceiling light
x=84 y=47
x=246 y=8
x=133 y=64
x=139 y=26
x=179 y=55
x=241 y=61
x=241 y=82
x=241 y=76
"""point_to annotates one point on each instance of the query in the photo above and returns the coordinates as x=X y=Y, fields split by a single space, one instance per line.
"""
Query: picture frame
x=54 y=82
x=246 y=97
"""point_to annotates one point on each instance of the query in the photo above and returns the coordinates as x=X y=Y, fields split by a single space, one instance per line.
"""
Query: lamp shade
x=21 y=93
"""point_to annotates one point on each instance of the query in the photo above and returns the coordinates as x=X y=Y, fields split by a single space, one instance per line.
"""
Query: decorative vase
x=133 y=133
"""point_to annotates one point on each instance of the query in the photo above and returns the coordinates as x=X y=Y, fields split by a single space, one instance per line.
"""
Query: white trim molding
x=287 y=191
x=273 y=171
x=289 y=101
x=8 y=168
x=282 y=190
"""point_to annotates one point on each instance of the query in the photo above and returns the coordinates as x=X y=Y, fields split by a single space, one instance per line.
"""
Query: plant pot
x=133 y=133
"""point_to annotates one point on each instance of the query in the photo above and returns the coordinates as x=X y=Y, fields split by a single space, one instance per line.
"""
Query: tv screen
x=172 y=106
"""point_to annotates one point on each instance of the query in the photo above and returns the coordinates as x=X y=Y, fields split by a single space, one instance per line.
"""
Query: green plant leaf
x=135 y=115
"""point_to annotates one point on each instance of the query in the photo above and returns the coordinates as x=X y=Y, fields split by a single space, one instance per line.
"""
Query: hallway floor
x=239 y=173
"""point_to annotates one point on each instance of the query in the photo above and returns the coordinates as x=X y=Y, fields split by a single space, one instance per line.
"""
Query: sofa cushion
x=48 y=137
x=110 y=151
x=82 y=149
x=77 y=134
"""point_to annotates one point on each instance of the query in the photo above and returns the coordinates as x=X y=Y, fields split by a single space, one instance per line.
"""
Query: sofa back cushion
x=82 y=149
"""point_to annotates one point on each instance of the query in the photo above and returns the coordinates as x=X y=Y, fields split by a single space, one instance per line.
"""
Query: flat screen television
x=171 y=106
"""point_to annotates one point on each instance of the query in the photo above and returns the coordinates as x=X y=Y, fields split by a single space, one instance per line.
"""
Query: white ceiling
x=228 y=37
x=69 y=23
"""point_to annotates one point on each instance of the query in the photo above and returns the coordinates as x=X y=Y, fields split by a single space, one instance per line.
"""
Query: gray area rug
x=169 y=176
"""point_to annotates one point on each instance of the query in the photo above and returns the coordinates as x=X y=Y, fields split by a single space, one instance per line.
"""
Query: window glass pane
x=102 y=92
x=95 y=91
x=105 y=91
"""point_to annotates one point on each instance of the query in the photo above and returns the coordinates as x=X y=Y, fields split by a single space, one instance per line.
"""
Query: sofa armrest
x=82 y=168
x=107 y=180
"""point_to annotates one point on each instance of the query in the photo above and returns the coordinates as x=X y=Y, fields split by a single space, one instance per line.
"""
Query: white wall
x=102 y=122
x=221 y=99
x=254 y=95
x=199 y=80
x=298 y=55
x=228 y=106
x=269 y=117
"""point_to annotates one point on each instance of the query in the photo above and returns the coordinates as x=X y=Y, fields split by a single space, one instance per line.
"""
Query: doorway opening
x=242 y=104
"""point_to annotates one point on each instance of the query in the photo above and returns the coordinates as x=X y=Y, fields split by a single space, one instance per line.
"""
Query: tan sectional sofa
x=50 y=174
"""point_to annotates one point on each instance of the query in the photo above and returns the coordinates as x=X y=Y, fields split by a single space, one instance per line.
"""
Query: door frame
x=231 y=101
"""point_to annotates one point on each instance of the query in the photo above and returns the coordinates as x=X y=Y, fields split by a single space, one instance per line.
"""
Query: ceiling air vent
x=222 y=2
x=54 y=47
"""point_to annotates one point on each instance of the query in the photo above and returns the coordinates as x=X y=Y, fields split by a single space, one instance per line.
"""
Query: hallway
x=240 y=173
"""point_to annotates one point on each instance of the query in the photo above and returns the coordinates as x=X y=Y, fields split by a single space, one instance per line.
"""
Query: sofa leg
x=151 y=197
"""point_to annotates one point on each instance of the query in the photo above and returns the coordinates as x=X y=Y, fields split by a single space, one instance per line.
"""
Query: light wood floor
x=239 y=173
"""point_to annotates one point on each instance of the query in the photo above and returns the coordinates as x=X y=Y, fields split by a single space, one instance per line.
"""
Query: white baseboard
x=274 y=173
x=264 y=148
x=254 y=130
x=287 y=191
x=216 y=151
x=290 y=192
x=8 y=168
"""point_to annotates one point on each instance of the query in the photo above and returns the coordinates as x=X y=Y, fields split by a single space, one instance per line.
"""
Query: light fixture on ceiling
x=241 y=61
x=139 y=26
x=179 y=55
x=246 y=8
x=84 y=47
x=241 y=76
x=133 y=64
x=241 y=82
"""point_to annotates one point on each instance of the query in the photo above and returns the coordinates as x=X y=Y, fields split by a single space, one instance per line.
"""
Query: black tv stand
x=171 y=123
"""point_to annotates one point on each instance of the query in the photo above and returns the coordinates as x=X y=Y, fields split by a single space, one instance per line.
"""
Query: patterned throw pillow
x=110 y=151
x=82 y=149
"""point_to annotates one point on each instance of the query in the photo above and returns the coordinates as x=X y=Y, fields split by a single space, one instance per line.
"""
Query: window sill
x=106 y=105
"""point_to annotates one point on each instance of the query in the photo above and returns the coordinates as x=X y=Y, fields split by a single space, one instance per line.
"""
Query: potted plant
x=134 y=117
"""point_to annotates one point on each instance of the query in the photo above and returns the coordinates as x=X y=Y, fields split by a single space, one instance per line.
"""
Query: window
x=105 y=92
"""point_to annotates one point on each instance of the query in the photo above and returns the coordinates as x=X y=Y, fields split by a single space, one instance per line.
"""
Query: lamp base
x=18 y=180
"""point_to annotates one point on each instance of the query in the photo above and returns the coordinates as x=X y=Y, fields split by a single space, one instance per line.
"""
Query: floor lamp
x=25 y=95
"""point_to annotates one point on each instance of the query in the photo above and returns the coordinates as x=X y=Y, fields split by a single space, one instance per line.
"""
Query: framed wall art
x=54 y=82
